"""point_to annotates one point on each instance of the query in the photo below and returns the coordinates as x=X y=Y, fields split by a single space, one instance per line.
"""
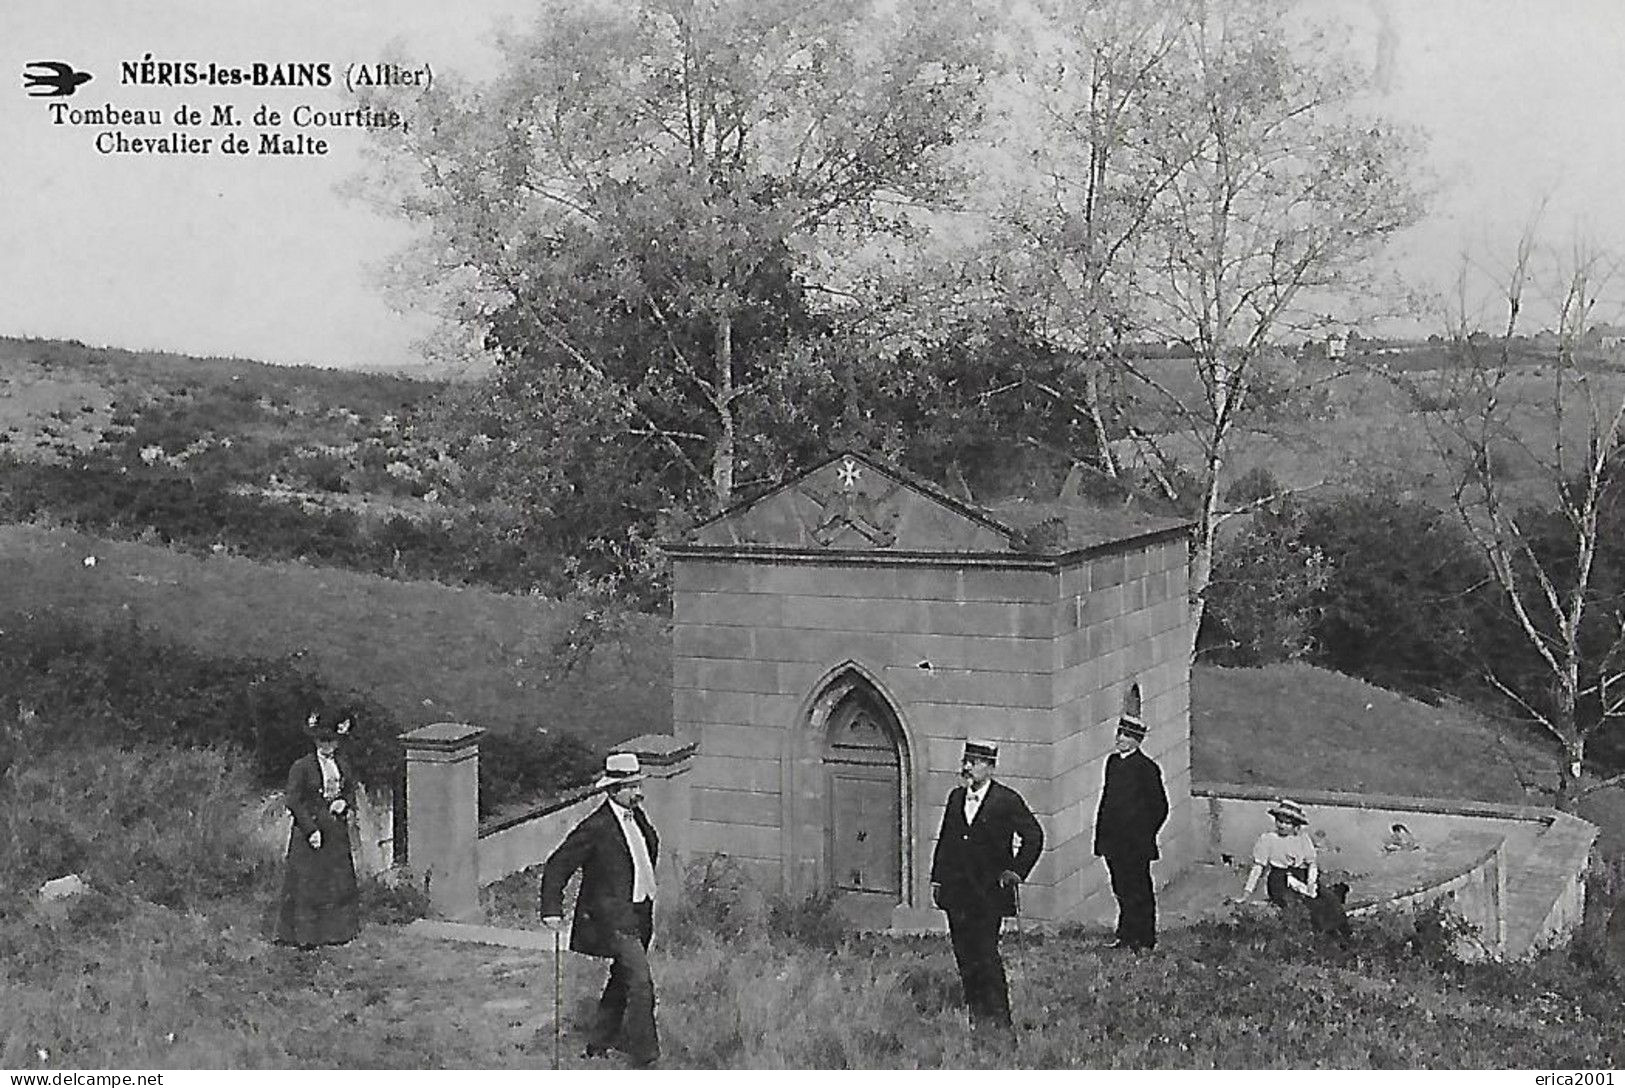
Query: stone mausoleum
x=837 y=639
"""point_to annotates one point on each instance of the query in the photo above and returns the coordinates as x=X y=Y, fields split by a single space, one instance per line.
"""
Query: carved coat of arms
x=854 y=505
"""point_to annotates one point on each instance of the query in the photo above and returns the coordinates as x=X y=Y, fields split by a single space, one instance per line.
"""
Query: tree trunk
x=1091 y=390
x=722 y=457
x=1207 y=518
x=1568 y=775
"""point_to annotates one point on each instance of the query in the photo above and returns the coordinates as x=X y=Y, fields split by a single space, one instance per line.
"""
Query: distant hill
x=56 y=394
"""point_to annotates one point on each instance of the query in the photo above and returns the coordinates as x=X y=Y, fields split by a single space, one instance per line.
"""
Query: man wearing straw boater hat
x=975 y=872
x=615 y=849
x=1133 y=807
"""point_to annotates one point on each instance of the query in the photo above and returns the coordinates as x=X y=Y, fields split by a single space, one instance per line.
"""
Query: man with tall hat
x=614 y=849
x=1133 y=808
x=988 y=845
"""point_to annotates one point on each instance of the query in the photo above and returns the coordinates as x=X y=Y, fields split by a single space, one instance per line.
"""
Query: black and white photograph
x=601 y=537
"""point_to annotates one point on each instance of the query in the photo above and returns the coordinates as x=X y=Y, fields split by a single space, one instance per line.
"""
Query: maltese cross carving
x=853 y=507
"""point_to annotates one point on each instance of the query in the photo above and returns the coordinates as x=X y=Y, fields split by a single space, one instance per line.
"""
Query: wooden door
x=865 y=802
x=867 y=855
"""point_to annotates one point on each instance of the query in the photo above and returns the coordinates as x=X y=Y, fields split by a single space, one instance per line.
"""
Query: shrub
x=393 y=898
x=1256 y=483
x=158 y=823
x=811 y=922
x=1372 y=585
x=120 y=684
x=1402 y=605
x=719 y=901
x=199 y=507
x=517 y=767
x=1263 y=592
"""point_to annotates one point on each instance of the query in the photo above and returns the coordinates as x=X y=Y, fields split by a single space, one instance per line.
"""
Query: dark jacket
x=304 y=796
x=1133 y=807
x=968 y=859
x=604 y=902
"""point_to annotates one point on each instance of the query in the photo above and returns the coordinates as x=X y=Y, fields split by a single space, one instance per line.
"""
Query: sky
x=261 y=257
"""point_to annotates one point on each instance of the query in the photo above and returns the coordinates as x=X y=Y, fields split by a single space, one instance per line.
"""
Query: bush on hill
x=517 y=767
x=1262 y=598
x=121 y=685
x=162 y=824
x=1370 y=584
x=1405 y=604
x=132 y=502
x=66 y=686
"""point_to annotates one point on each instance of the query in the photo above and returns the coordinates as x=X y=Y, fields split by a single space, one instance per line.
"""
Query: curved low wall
x=1460 y=856
x=1467 y=872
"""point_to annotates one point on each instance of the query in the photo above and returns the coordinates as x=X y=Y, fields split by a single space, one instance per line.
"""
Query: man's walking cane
x=1016 y=954
x=558 y=996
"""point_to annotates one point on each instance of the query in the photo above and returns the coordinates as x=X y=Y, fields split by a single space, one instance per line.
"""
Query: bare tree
x=1091 y=103
x=1533 y=455
x=1282 y=192
x=1208 y=178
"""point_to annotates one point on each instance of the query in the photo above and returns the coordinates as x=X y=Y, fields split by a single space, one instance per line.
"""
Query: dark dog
x=1327 y=913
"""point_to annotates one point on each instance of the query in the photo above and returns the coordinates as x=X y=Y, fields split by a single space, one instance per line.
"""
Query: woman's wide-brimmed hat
x=328 y=724
x=620 y=769
x=1290 y=811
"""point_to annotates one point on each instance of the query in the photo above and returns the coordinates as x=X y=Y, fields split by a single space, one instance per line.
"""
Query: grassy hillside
x=1299 y=727
x=427 y=652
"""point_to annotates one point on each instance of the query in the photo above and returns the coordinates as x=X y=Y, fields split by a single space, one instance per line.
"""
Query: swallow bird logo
x=55 y=79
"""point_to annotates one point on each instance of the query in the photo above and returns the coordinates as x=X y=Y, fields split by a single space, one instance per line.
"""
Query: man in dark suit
x=975 y=872
x=1133 y=807
x=615 y=849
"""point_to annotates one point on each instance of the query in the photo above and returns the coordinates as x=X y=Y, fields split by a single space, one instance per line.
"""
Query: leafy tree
x=1075 y=179
x=1265 y=594
x=1403 y=604
x=635 y=218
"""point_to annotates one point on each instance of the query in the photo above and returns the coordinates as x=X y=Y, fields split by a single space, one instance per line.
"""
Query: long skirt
x=320 y=904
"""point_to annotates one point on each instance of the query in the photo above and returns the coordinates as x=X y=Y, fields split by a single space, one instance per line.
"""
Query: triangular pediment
x=854 y=503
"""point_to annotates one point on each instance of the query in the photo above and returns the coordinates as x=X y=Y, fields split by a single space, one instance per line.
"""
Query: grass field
x=165 y=964
x=177 y=973
x=431 y=652
x=428 y=652
x=117 y=981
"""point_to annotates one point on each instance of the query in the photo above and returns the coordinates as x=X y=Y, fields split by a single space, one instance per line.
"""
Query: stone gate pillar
x=443 y=814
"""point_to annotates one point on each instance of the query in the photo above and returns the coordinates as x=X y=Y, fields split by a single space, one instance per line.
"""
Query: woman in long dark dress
x=319 y=899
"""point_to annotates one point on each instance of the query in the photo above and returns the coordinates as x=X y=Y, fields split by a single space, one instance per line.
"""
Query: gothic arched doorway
x=865 y=829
